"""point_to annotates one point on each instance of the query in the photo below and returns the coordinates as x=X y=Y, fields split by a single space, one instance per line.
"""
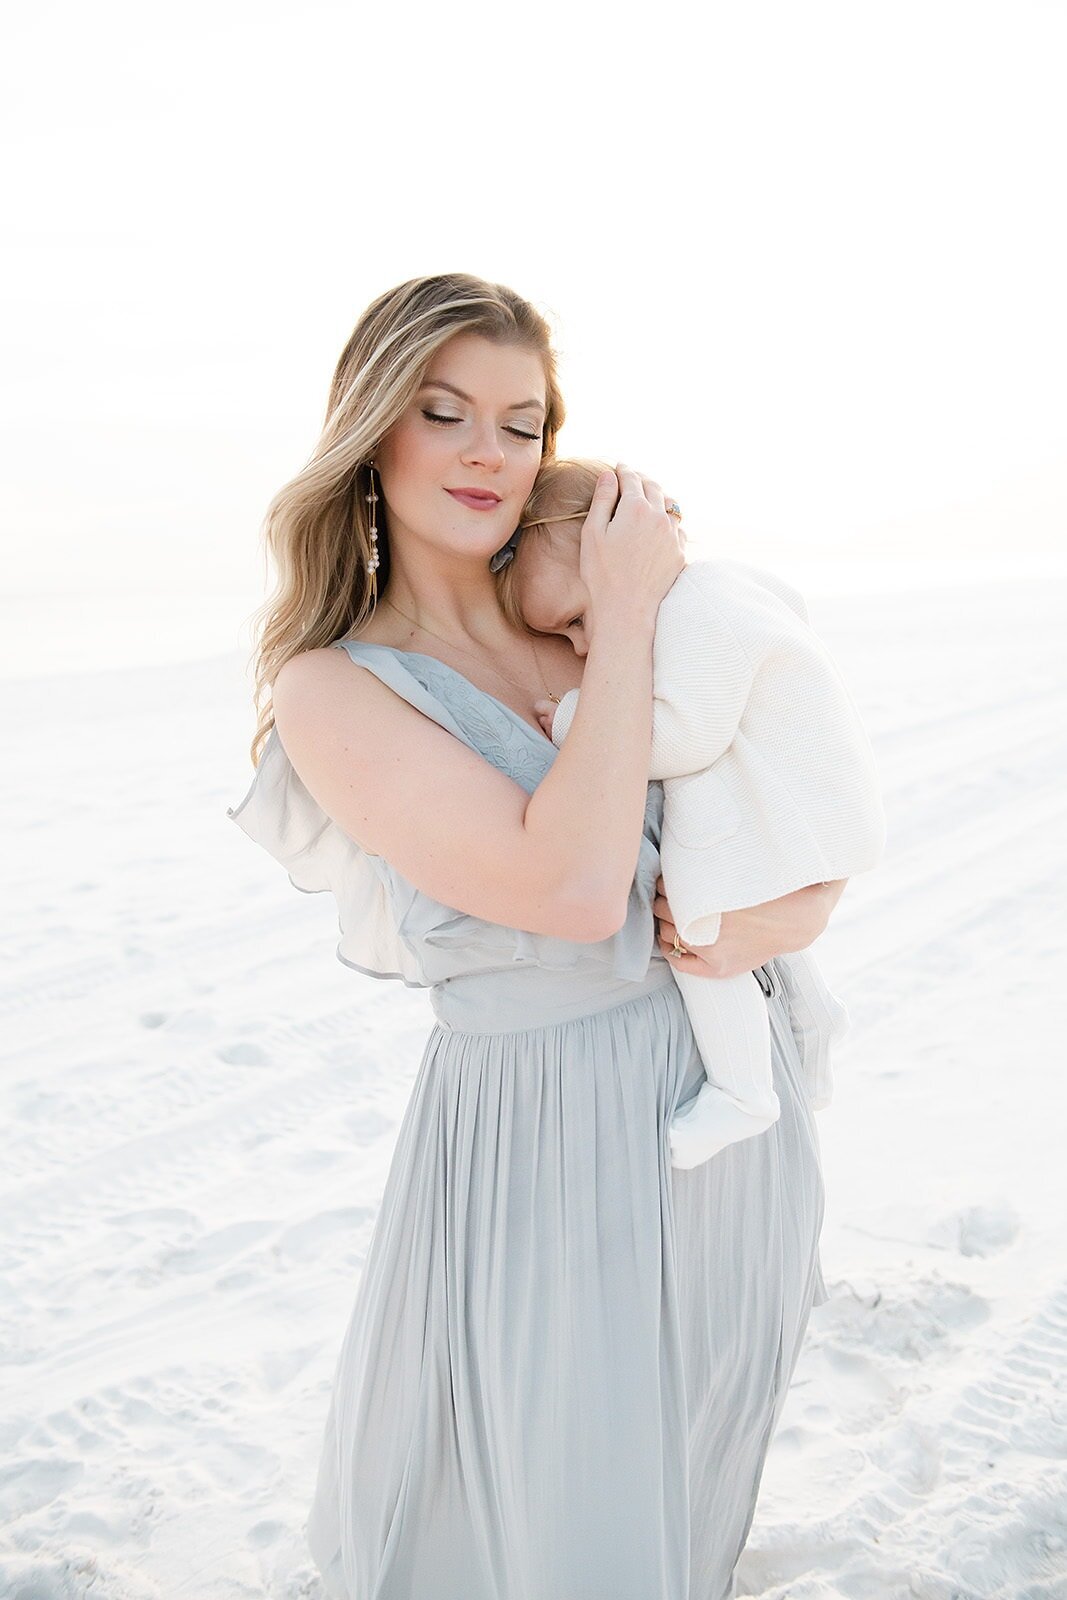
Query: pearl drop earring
x=372 y=498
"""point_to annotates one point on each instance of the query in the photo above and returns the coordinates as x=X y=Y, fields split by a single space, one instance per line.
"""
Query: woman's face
x=475 y=424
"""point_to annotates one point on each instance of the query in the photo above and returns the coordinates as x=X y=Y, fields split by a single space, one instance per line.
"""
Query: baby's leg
x=732 y=1031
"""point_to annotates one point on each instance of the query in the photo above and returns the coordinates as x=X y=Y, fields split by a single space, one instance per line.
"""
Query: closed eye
x=518 y=433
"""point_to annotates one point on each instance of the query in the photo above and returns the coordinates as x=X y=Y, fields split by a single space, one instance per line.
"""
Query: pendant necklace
x=524 y=687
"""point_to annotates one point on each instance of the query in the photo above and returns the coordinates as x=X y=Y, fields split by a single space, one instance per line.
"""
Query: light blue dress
x=566 y=1358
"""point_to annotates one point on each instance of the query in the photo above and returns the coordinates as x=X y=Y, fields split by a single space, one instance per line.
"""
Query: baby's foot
x=713 y=1120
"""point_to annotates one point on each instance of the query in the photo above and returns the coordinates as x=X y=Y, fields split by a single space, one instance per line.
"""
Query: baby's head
x=541 y=588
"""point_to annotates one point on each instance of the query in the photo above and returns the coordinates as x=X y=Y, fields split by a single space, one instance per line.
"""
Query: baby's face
x=550 y=590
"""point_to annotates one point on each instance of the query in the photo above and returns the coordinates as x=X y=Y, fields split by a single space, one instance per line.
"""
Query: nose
x=484 y=448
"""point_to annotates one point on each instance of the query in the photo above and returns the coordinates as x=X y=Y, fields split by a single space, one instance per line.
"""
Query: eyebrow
x=520 y=405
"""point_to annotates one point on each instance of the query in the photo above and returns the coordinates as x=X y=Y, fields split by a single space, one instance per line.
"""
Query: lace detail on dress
x=499 y=732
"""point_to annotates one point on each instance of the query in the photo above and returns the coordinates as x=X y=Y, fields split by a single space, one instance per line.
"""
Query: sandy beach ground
x=199 y=1106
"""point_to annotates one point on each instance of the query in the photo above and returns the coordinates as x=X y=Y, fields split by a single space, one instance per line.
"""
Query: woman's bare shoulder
x=450 y=822
x=330 y=685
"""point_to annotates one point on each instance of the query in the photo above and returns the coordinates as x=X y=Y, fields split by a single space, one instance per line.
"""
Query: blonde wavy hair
x=317 y=527
x=562 y=492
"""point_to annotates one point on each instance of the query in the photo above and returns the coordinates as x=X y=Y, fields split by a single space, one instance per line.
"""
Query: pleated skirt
x=566 y=1359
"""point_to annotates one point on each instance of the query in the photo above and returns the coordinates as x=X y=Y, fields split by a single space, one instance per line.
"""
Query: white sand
x=200 y=1105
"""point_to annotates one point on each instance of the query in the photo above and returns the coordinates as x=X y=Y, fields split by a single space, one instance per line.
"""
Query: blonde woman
x=566 y=1359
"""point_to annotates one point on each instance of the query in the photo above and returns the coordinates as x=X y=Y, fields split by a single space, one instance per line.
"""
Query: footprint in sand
x=243 y=1053
x=978 y=1230
x=81 y=1576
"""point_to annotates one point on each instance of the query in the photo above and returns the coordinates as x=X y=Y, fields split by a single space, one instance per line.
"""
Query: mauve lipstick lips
x=478 y=501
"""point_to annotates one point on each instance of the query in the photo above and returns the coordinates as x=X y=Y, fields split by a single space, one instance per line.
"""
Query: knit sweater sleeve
x=702 y=672
x=703 y=669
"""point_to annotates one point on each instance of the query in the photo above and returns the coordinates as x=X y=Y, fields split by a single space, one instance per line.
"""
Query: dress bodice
x=389 y=928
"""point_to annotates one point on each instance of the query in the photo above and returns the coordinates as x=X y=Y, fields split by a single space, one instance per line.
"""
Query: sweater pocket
x=699 y=810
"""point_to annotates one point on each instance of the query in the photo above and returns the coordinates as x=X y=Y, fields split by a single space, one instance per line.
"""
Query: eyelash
x=575 y=621
x=531 y=438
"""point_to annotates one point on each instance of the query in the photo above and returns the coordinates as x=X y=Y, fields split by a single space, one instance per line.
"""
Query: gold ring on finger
x=678 y=948
x=673 y=508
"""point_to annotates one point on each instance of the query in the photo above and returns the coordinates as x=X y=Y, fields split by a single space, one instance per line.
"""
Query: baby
x=769 y=784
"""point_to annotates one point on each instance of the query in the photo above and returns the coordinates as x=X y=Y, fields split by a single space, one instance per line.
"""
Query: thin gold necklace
x=524 y=687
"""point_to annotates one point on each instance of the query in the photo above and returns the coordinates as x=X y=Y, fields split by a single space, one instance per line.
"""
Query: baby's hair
x=562 y=493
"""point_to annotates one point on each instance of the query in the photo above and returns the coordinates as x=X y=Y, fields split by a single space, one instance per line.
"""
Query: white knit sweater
x=769 y=780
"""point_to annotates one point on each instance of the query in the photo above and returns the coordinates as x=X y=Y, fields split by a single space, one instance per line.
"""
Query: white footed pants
x=732 y=1031
x=731 y=1028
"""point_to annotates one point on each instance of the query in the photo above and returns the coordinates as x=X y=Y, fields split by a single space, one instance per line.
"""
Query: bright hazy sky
x=805 y=261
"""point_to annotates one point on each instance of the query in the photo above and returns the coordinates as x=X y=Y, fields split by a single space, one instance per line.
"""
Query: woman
x=565 y=1360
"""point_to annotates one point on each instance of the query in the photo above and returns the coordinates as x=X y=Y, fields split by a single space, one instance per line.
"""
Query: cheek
x=410 y=460
x=519 y=596
x=531 y=590
x=528 y=477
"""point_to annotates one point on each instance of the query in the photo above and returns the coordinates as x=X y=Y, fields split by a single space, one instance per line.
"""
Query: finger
x=688 y=963
x=630 y=481
x=686 y=959
x=654 y=494
x=602 y=505
x=647 y=487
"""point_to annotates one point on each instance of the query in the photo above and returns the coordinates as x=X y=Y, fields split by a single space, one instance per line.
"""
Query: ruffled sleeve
x=390 y=929
x=450 y=942
x=279 y=813
x=318 y=856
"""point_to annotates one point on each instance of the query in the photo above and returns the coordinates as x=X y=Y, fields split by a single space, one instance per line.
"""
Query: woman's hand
x=750 y=938
x=631 y=551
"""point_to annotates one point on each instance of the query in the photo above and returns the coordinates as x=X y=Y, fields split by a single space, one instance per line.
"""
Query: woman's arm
x=560 y=861
x=751 y=937
x=703 y=672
